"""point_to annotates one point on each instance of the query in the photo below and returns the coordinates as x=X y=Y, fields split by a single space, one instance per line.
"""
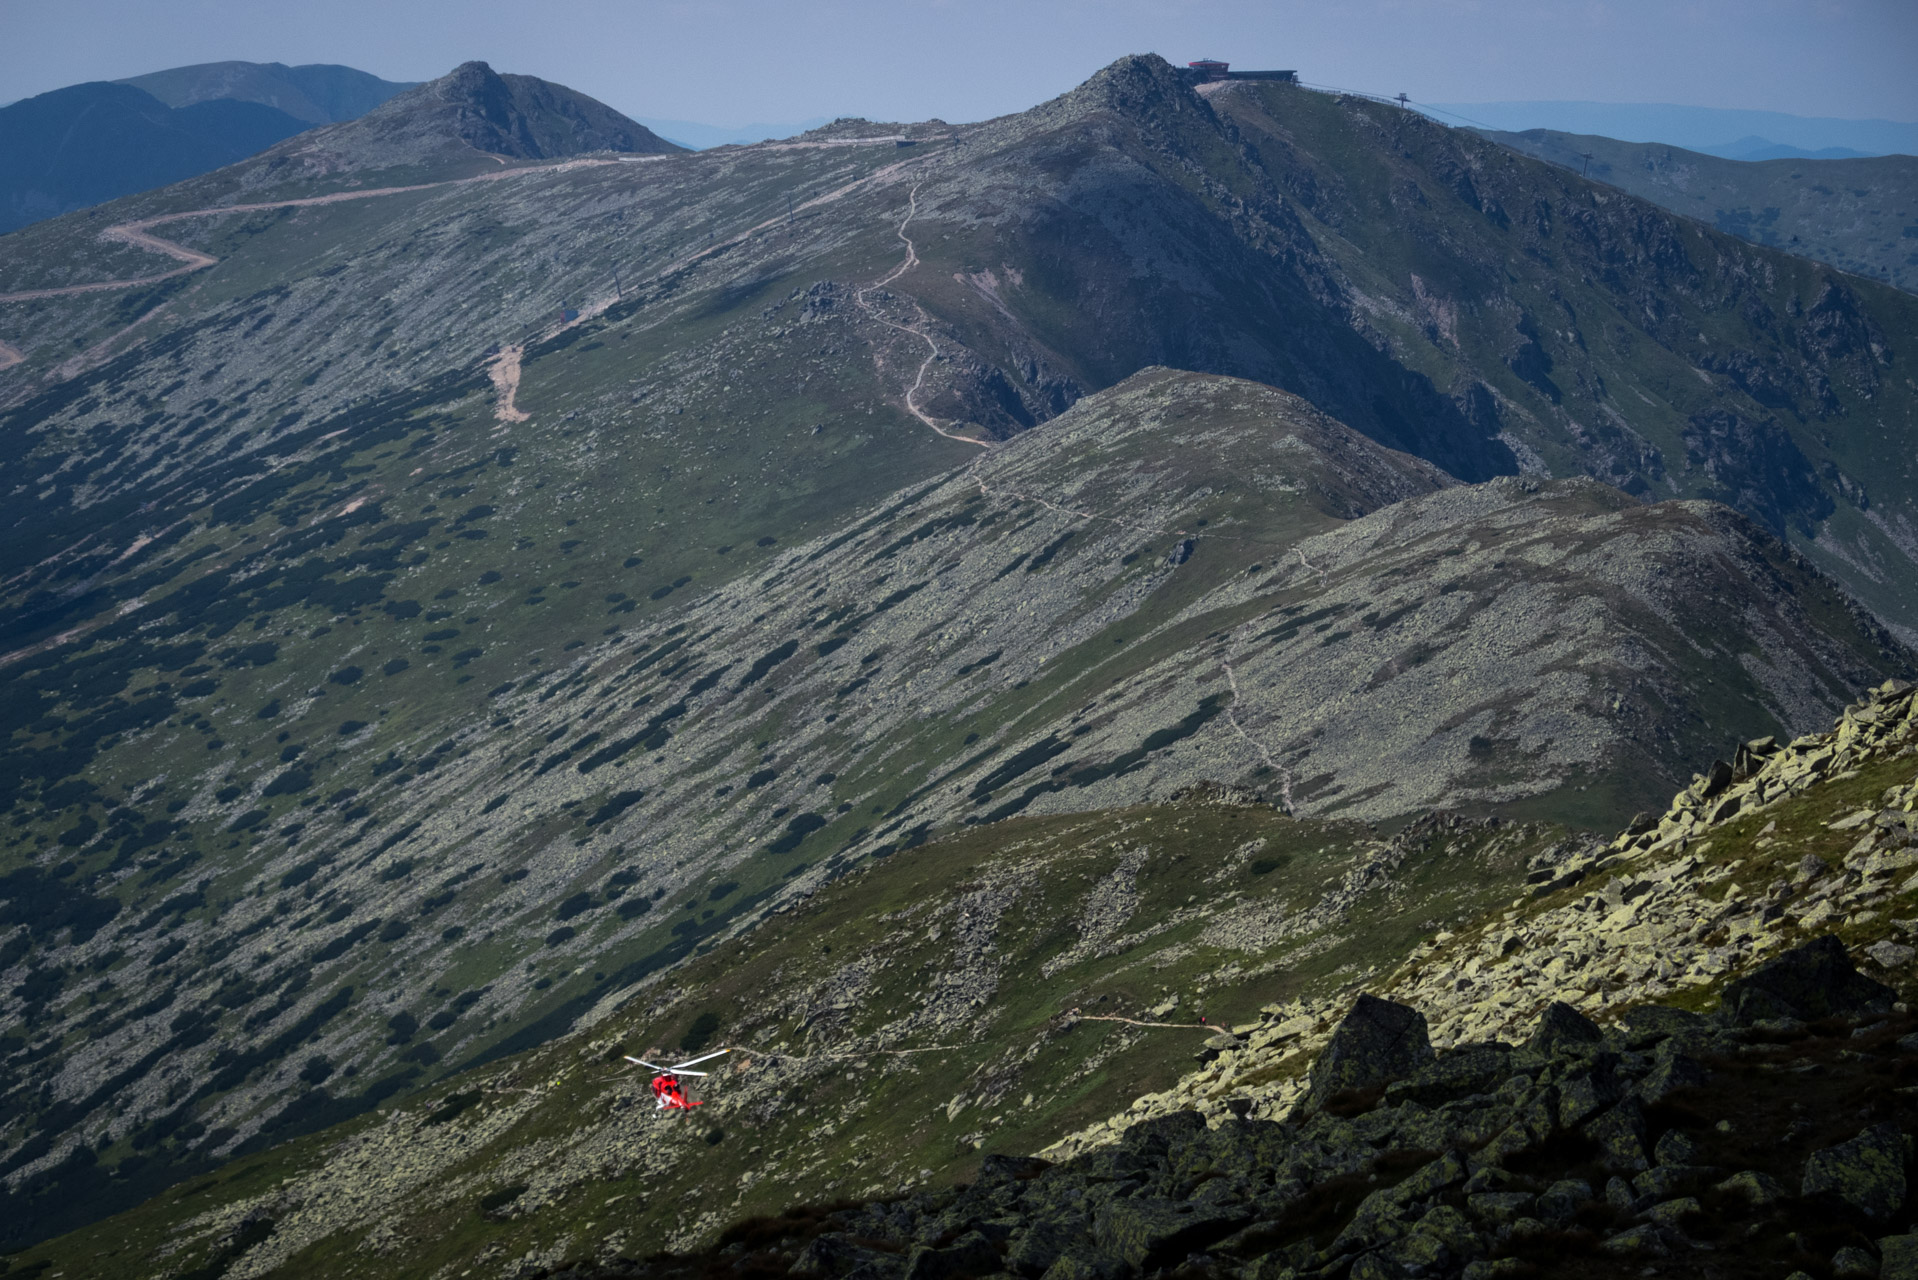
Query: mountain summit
x=475 y=109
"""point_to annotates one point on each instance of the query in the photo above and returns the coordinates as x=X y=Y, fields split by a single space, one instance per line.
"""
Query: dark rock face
x=533 y=119
x=1814 y=981
x=1378 y=1042
x=1753 y=464
x=1562 y=1027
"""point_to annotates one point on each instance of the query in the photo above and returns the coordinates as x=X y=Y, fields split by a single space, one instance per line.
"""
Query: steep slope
x=318 y=93
x=1431 y=289
x=889 y=1028
x=1184 y=579
x=89 y=143
x=1065 y=929
x=1860 y=215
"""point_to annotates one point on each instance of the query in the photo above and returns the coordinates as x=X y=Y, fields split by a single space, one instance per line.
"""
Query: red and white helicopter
x=667 y=1090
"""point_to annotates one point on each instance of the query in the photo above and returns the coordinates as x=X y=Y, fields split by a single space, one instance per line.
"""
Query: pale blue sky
x=730 y=61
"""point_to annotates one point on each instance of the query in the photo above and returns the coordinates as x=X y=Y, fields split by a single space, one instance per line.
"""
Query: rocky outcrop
x=1761 y=772
x=1484 y=1161
x=1648 y=917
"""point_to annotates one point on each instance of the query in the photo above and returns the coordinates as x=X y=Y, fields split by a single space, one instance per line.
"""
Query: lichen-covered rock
x=1458 y=1073
x=1853 y=1263
x=1672 y=1072
x=1867 y=1173
x=970 y=1255
x=1439 y=1241
x=833 y=1256
x=1499 y=1207
x=1043 y=1243
x=1561 y=1201
x=1620 y=1135
x=1817 y=980
x=1151 y=1233
x=1589 y=1089
x=1378 y=1042
x=1753 y=1187
x=1898 y=1258
x=1634 y=1242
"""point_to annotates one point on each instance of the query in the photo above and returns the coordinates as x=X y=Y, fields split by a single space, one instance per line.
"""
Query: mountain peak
x=474 y=109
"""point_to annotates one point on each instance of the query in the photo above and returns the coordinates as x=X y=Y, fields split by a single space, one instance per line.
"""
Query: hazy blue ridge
x=317 y=93
x=1732 y=134
x=89 y=143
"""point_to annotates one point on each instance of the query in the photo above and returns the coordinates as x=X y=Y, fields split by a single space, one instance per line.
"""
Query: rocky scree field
x=1662 y=1052
x=1185 y=579
x=890 y=1030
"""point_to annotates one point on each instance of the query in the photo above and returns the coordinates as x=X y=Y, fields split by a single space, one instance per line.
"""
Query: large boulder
x=970 y=1255
x=1810 y=982
x=1867 y=1173
x=1562 y=1028
x=1380 y=1041
x=1457 y=1073
x=1150 y=1233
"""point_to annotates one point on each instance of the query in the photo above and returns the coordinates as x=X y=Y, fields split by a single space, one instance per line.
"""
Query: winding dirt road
x=135 y=233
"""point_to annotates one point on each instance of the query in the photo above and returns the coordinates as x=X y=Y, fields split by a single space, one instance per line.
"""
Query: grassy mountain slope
x=1860 y=215
x=1008 y=945
x=1180 y=580
x=974 y=948
x=1429 y=288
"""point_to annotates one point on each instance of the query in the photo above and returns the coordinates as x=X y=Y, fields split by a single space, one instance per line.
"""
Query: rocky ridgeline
x=1661 y=919
x=1762 y=773
x=1772 y=1131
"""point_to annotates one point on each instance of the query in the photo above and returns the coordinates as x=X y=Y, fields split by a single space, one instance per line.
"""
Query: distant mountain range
x=1755 y=135
x=89 y=143
x=318 y=93
x=1860 y=214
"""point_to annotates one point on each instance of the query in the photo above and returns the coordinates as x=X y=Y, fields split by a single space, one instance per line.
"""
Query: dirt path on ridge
x=136 y=233
x=919 y=330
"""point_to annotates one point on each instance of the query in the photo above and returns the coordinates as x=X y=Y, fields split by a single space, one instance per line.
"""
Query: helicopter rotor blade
x=693 y=1062
x=671 y=1071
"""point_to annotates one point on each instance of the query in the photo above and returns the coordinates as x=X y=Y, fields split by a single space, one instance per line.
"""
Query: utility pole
x=1588 y=163
x=1401 y=100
